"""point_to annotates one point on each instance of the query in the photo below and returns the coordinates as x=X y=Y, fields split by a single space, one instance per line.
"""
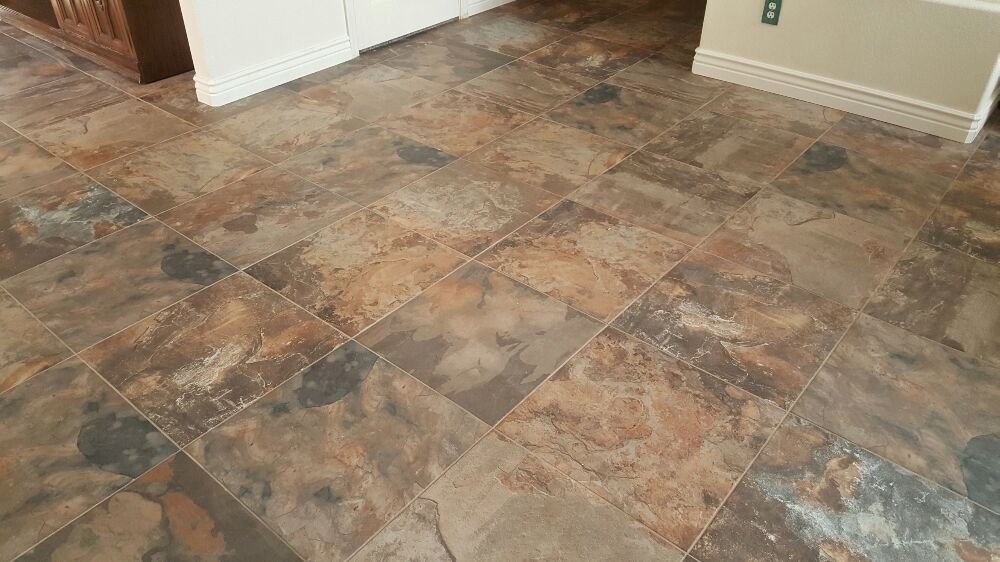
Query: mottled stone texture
x=792 y=115
x=26 y=347
x=596 y=58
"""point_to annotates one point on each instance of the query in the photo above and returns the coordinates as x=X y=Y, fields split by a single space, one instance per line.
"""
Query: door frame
x=466 y=8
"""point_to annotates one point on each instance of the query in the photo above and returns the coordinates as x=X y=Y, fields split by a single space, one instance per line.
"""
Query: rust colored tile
x=501 y=33
x=637 y=29
x=90 y=293
x=368 y=438
x=371 y=92
x=368 y=164
x=446 y=61
x=43 y=105
x=500 y=503
x=594 y=262
x=659 y=74
x=481 y=339
x=253 y=218
x=755 y=332
x=589 y=56
x=456 y=123
x=68 y=441
x=29 y=69
x=107 y=133
x=814 y=496
x=553 y=157
x=177 y=96
x=24 y=166
x=665 y=196
x=52 y=220
x=168 y=174
x=800 y=117
x=528 y=87
x=465 y=206
x=570 y=15
x=26 y=347
x=198 y=362
x=356 y=271
x=659 y=439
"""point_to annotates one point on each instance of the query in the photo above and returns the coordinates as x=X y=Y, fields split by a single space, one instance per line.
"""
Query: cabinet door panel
x=109 y=25
x=73 y=18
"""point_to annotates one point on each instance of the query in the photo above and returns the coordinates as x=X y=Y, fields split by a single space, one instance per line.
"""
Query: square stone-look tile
x=900 y=147
x=569 y=15
x=659 y=74
x=456 y=123
x=49 y=221
x=501 y=503
x=68 y=441
x=26 y=347
x=24 y=165
x=755 y=332
x=6 y=133
x=730 y=146
x=88 y=294
x=465 y=206
x=553 y=157
x=501 y=33
x=372 y=92
x=628 y=116
x=115 y=130
x=666 y=196
x=173 y=512
x=945 y=296
x=368 y=164
x=177 y=96
x=168 y=174
x=253 y=218
x=922 y=405
x=659 y=439
x=968 y=219
x=585 y=258
x=588 y=56
x=367 y=439
x=447 y=61
x=833 y=255
x=198 y=362
x=800 y=117
x=45 y=104
x=356 y=271
x=29 y=69
x=481 y=339
x=637 y=29
x=531 y=88
x=286 y=126
x=846 y=182
x=813 y=496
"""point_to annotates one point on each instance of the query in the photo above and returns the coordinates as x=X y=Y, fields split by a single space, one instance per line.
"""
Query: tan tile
x=24 y=166
x=589 y=56
x=446 y=62
x=570 y=15
x=528 y=87
x=659 y=74
x=371 y=92
x=29 y=69
x=177 y=96
x=501 y=33
x=43 y=105
x=637 y=29
x=800 y=117
x=26 y=347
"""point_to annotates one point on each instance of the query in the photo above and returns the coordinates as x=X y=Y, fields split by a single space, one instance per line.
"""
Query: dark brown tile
x=481 y=339
x=665 y=196
x=844 y=181
x=90 y=293
x=465 y=206
x=107 y=133
x=26 y=347
x=356 y=271
x=813 y=496
x=174 y=512
x=368 y=164
x=168 y=174
x=371 y=92
x=501 y=33
x=551 y=156
x=528 y=87
x=919 y=404
x=755 y=332
x=446 y=61
x=800 y=117
x=585 y=258
x=177 y=96
x=730 y=146
x=45 y=104
x=588 y=56
x=368 y=438
x=456 y=123
x=24 y=165
x=52 y=220
x=659 y=74
x=288 y=125
x=833 y=255
x=500 y=503
x=659 y=439
x=68 y=441
x=945 y=296
x=637 y=29
x=253 y=218
x=628 y=116
x=570 y=15
x=29 y=69
x=198 y=362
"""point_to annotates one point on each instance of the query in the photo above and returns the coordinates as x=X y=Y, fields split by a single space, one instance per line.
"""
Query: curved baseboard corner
x=236 y=86
x=885 y=106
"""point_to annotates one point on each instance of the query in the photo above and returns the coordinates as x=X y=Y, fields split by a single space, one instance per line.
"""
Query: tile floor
x=518 y=288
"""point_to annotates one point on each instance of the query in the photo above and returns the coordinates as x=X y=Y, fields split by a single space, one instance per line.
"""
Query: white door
x=378 y=21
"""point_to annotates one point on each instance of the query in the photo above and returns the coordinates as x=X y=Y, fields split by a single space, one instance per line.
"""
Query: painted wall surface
x=940 y=51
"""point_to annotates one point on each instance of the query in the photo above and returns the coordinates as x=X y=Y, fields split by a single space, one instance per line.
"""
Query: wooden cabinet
x=109 y=25
x=72 y=17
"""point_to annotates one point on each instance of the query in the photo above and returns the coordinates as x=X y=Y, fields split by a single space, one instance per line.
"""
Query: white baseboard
x=885 y=106
x=236 y=86
x=473 y=7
